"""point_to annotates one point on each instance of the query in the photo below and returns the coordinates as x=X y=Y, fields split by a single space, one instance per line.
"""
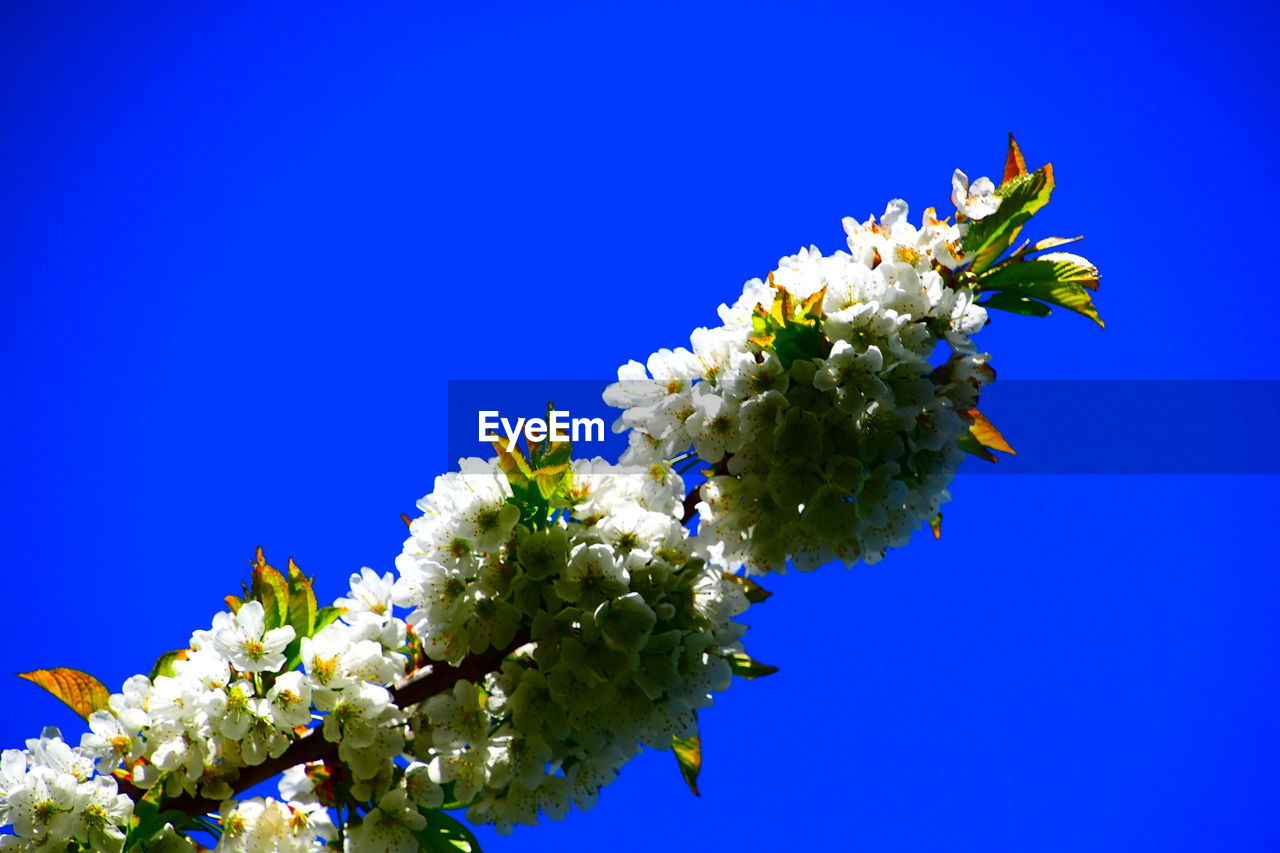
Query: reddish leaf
x=81 y=692
x=1014 y=164
x=983 y=430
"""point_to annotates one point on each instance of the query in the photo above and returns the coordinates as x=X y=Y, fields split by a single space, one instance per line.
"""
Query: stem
x=689 y=465
x=691 y=499
x=209 y=827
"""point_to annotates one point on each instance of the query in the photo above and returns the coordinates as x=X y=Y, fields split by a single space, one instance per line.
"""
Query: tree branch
x=313 y=747
x=691 y=504
x=695 y=494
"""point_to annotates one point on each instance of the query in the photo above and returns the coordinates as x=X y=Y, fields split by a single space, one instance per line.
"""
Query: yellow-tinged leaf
x=1020 y=198
x=164 y=663
x=812 y=307
x=983 y=430
x=1028 y=248
x=1057 y=278
x=744 y=667
x=549 y=478
x=754 y=592
x=512 y=463
x=1069 y=267
x=81 y=692
x=936 y=524
x=782 y=306
x=689 y=754
x=302 y=606
x=1015 y=166
x=234 y=602
x=1050 y=243
x=269 y=587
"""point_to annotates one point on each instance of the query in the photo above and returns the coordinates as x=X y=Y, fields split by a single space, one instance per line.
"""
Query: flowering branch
x=820 y=385
x=439 y=678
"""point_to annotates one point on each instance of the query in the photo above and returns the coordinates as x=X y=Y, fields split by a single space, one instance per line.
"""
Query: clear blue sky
x=243 y=247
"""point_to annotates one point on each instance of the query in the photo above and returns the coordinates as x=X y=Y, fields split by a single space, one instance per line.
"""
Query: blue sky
x=243 y=249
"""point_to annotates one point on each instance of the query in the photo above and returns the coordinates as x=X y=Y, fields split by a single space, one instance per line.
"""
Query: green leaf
x=970 y=444
x=548 y=453
x=754 y=592
x=164 y=663
x=1058 y=278
x=526 y=486
x=270 y=587
x=149 y=821
x=445 y=834
x=1047 y=243
x=936 y=526
x=790 y=329
x=1055 y=266
x=988 y=238
x=326 y=616
x=302 y=613
x=80 y=691
x=551 y=480
x=169 y=840
x=744 y=667
x=451 y=802
x=689 y=755
x=1015 y=304
x=512 y=463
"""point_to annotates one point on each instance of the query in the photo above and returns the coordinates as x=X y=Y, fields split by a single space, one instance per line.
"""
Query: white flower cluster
x=51 y=797
x=619 y=627
x=830 y=433
x=629 y=631
x=265 y=825
x=227 y=705
x=390 y=824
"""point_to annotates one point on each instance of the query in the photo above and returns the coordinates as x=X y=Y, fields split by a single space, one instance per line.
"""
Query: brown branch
x=691 y=504
x=691 y=500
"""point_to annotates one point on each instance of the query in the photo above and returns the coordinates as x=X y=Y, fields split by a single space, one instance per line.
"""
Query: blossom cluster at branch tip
x=829 y=432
